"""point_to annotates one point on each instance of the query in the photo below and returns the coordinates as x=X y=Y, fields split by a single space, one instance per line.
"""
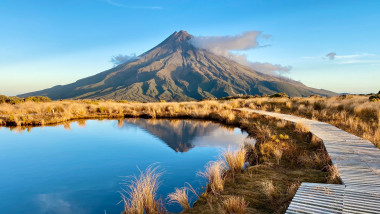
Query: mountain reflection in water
x=182 y=135
x=78 y=166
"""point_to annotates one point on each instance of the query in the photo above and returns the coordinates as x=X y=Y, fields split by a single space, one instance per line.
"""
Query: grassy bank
x=284 y=155
x=359 y=115
x=355 y=114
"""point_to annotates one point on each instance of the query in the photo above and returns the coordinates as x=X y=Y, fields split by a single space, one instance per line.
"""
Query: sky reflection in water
x=78 y=167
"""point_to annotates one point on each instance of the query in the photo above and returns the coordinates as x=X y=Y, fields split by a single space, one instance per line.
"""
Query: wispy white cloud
x=120 y=59
x=230 y=47
x=117 y=4
x=363 y=58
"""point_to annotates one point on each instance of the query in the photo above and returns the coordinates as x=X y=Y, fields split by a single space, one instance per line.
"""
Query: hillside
x=175 y=70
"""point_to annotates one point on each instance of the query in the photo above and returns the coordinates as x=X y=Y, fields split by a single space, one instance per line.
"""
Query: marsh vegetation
x=283 y=156
x=356 y=114
x=260 y=177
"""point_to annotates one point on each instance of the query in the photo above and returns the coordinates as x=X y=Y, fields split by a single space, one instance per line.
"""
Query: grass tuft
x=140 y=194
x=181 y=197
x=234 y=159
x=269 y=189
x=234 y=205
x=214 y=173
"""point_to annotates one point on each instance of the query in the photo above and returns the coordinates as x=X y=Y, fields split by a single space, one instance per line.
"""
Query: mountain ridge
x=176 y=70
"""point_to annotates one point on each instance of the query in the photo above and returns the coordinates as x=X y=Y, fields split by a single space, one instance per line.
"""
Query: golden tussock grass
x=140 y=194
x=269 y=189
x=333 y=175
x=181 y=197
x=234 y=205
x=355 y=113
x=300 y=127
x=278 y=164
x=214 y=172
x=284 y=151
x=234 y=159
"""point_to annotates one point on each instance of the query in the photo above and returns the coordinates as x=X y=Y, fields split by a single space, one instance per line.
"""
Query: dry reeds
x=234 y=205
x=302 y=128
x=234 y=159
x=269 y=189
x=355 y=114
x=140 y=195
x=214 y=173
x=181 y=197
x=292 y=189
x=333 y=177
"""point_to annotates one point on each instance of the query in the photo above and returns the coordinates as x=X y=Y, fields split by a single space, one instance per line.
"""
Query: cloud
x=120 y=59
x=363 y=58
x=331 y=56
x=270 y=68
x=224 y=45
x=53 y=203
x=114 y=3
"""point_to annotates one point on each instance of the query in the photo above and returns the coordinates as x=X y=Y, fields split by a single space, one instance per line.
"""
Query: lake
x=79 y=167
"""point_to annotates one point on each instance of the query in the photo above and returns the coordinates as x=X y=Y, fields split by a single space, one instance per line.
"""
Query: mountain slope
x=175 y=70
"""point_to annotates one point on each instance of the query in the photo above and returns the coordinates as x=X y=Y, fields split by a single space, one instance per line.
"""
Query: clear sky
x=49 y=42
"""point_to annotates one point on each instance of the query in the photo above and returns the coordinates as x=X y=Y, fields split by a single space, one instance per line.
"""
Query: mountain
x=175 y=70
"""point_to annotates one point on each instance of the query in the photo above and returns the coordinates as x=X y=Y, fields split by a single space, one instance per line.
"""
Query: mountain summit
x=175 y=70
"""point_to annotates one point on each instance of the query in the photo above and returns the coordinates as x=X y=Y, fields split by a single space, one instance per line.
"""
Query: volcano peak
x=181 y=36
x=175 y=70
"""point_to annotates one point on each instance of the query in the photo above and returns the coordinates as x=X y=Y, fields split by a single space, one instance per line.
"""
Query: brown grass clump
x=234 y=205
x=292 y=189
x=333 y=175
x=181 y=197
x=214 y=173
x=140 y=194
x=269 y=189
x=300 y=127
x=234 y=159
x=275 y=148
x=377 y=138
x=281 y=123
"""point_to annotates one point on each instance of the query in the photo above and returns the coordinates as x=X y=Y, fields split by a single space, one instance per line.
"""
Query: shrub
x=38 y=99
x=374 y=98
x=315 y=96
x=15 y=100
x=281 y=94
x=319 y=105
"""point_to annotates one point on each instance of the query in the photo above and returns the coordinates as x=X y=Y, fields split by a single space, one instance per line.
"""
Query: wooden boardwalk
x=358 y=164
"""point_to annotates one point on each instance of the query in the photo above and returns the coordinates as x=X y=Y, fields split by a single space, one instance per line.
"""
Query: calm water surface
x=79 y=167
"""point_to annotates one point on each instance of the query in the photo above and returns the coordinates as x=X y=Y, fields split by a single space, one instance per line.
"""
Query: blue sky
x=50 y=42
